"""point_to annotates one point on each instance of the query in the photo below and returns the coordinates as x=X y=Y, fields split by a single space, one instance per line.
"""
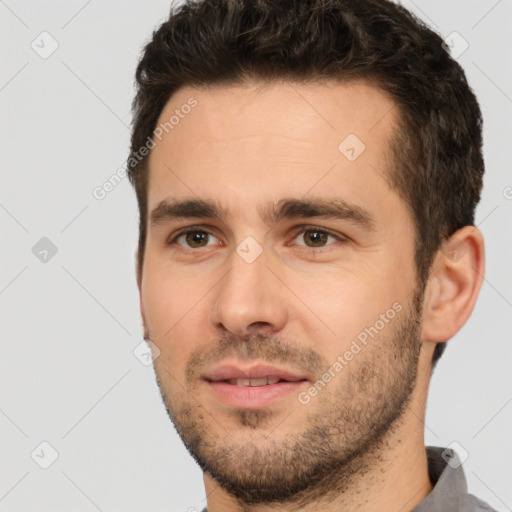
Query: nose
x=250 y=298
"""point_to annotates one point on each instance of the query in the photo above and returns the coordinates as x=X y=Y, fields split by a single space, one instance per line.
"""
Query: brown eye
x=196 y=238
x=317 y=238
x=192 y=239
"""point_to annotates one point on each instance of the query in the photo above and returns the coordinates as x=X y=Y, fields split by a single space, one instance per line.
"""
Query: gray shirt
x=450 y=492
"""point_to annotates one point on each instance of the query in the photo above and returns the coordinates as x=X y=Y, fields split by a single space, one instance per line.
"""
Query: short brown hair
x=438 y=144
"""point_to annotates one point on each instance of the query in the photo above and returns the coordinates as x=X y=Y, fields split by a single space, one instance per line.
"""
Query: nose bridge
x=249 y=293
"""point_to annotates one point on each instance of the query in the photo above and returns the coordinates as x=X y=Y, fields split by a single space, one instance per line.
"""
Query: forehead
x=253 y=140
x=328 y=109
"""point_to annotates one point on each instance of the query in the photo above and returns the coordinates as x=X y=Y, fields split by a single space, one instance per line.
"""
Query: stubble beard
x=343 y=438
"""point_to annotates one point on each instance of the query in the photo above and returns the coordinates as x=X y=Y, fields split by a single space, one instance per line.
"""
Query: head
x=281 y=111
x=438 y=165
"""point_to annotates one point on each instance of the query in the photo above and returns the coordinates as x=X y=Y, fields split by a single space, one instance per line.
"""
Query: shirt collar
x=447 y=476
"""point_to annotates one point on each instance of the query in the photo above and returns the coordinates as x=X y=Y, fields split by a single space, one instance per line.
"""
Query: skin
x=244 y=146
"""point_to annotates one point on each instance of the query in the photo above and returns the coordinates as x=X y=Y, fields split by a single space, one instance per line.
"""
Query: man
x=307 y=174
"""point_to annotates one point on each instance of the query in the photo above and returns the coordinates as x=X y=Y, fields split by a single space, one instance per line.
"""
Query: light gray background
x=69 y=325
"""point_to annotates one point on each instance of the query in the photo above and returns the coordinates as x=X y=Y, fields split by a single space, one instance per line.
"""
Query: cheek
x=342 y=306
x=167 y=294
x=176 y=309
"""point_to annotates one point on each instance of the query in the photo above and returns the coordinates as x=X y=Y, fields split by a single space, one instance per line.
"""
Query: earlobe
x=454 y=284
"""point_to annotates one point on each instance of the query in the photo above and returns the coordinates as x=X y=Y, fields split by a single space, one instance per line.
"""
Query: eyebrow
x=337 y=208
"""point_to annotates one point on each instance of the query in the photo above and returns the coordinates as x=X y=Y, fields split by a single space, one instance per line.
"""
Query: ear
x=454 y=284
x=138 y=273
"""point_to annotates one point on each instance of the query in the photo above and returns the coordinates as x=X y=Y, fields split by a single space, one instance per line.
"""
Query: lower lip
x=254 y=397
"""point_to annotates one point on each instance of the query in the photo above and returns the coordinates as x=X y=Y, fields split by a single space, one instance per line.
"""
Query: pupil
x=195 y=238
x=317 y=237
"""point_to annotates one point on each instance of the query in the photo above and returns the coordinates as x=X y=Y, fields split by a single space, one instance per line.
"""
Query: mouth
x=253 y=387
x=256 y=375
x=265 y=381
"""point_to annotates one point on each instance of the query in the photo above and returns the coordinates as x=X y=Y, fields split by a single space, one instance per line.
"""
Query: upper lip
x=258 y=371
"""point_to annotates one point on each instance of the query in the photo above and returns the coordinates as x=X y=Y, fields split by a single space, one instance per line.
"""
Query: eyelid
x=295 y=232
x=319 y=229
x=174 y=236
x=311 y=227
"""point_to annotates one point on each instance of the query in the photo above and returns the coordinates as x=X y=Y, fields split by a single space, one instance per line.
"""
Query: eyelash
x=296 y=232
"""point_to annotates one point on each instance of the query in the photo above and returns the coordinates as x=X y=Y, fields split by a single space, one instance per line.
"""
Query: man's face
x=272 y=282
